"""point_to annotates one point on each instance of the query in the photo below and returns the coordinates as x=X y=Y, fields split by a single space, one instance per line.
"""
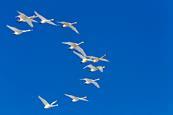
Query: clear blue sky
x=135 y=34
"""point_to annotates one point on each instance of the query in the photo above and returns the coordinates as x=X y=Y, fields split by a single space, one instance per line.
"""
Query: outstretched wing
x=29 y=22
x=79 y=55
x=102 y=59
x=43 y=100
x=13 y=28
x=68 y=43
x=100 y=68
x=54 y=102
x=40 y=16
x=80 y=50
x=71 y=96
x=74 y=29
x=96 y=84
x=89 y=66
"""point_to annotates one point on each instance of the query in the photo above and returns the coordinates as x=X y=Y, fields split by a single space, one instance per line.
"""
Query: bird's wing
x=79 y=55
x=89 y=66
x=20 y=13
x=74 y=29
x=71 y=96
x=13 y=28
x=96 y=84
x=52 y=23
x=43 y=100
x=102 y=59
x=40 y=16
x=100 y=68
x=68 y=43
x=29 y=22
x=54 y=102
x=80 y=50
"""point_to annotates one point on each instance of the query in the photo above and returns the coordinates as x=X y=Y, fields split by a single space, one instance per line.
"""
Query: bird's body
x=70 y=25
x=24 y=18
x=17 y=31
x=44 y=20
x=76 y=46
x=75 y=98
x=94 y=68
x=46 y=104
x=91 y=81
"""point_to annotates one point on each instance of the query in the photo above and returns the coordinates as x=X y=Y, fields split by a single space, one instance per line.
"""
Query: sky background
x=136 y=35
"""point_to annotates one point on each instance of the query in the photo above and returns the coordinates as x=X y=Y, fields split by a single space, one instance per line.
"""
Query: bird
x=44 y=20
x=84 y=58
x=76 y=46
x=75 y=98
x=28 y=19
x=17 y=31
x=91 y=81
x=46 y=104
x=69 y=25
x=94 y=68
x=97 y=59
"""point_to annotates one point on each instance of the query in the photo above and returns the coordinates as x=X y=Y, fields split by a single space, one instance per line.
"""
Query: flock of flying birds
x=75 y=47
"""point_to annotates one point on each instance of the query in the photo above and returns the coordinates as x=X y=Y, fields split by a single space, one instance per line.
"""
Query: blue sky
x=135 y=35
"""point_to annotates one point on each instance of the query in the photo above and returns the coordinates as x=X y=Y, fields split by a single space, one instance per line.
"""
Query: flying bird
x=75 y=98
x=76 y=46
x=17 y=31
x=44 y=20
x=70 y=25
x=84 y=58
x=94 y=68
x=46 y=104
x=97 y=59
x=91 y=81
x=24 y=18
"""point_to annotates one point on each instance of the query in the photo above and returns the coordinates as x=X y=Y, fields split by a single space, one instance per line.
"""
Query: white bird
x=94 y=68
x=17 y=31
x=97 y=59
x=76 y=46
x=24 y=18
x=84 y=58
x=75 y=98
x=91 y=81
x=46 y=104
x=44 y=20
x=70 y=25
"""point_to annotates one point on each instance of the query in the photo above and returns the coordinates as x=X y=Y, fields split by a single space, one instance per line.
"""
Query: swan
x=17 y=31
x=46 y=104
x=69 y=25
x=91 y=81
x=97 y=59
x=95 y=68
x=44 y=20
x=75 y=46
x=75 y=98
x=24 y=18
